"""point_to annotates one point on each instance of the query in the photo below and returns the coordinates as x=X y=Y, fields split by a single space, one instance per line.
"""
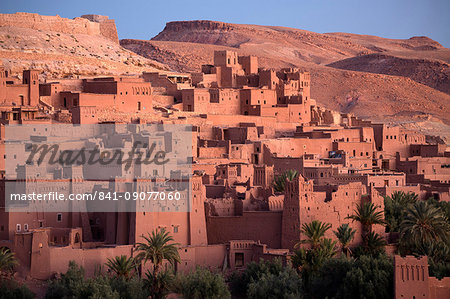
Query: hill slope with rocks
x=373 y=77
x=65 y=47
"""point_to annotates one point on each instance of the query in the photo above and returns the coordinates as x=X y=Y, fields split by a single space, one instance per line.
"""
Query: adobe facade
x=411 y=279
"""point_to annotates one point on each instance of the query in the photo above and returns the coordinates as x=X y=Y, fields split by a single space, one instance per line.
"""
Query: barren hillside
x=433 y=73
x=27 y=42
x=411 y=83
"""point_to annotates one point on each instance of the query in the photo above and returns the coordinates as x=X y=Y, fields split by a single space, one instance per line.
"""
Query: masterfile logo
x=98 y=168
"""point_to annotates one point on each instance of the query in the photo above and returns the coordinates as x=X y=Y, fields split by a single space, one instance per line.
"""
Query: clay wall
x=249 y=64
x=257 y=226
x=207 y=256
x=354 y=149
x=196 y=100
x=254 y=97
x=411 y=277
x=84 y=115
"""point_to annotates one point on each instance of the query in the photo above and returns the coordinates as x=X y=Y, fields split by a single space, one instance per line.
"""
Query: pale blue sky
x=145 y=19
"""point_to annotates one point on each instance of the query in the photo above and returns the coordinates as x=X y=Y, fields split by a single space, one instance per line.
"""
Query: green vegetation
x=8 y=262
x=279 y=182
x=425 y=230
x=423 y=227
x=161 y=284
x=72 y=284
x=395 y=209
x=365 y=277
x=202 y=283
x=9 y=288
x=121 y=266
x=368 y=215
x=345 y=235
x=267 y=279
x=285 y=284
x=309 y=261
x=314 y=233
x=424 y=223
x=157 y=248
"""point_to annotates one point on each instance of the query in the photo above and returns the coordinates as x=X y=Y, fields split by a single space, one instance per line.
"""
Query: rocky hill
x=64 y=47
x=433 y=73
x=373 y=77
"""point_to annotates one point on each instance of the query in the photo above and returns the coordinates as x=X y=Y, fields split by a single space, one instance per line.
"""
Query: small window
x=175 y=229
x=59 y=217
x=18 y=227
x=239 y=259
x=41 y=223
x=25 y=227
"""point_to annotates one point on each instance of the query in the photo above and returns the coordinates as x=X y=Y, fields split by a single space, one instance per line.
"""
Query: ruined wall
x=89 y=24
x=107 y=27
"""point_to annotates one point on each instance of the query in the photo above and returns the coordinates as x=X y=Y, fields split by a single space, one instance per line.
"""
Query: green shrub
x=161 y=286
x=369 y=277
x=284 y=284
x=330 y=277
x=254 y=271
x=132 y=288
x=267 y=279
x=202 y=283
x=72 y=284
x=10 y=289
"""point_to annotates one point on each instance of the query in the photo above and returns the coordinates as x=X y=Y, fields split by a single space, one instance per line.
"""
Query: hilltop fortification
x=86 y=24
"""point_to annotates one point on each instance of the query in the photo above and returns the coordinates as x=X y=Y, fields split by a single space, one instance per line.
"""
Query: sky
x=144 y=19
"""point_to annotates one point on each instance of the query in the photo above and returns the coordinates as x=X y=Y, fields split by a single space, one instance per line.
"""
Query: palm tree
x=327 y=248
x=437 y=251
x=160 y=285
x=279 y=183
x=424 y=223
x=375 y=243
x=345 y=235
x=367 y=214
x=122 y=266
x=314 y=231
x=157 y=248
x=8 y=262
x=309 y=261
x=395 y=208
